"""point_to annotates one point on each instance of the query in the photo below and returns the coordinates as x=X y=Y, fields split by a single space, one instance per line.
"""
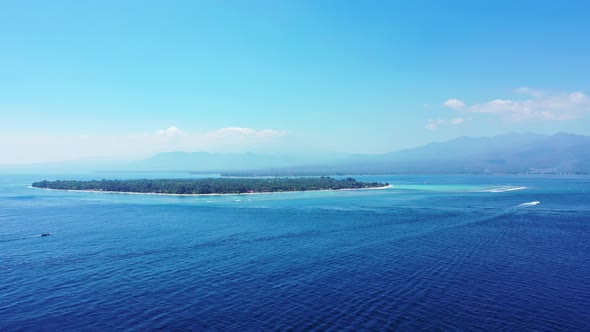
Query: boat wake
x=528 y=204
x=503 y=189
x=25 y=237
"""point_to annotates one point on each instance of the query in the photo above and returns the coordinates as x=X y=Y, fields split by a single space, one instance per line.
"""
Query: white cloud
x=229 y=136
x=453 y=103
x=271 y=133
x=434 y=124
x=40 y=148
x=528 y=91
x=236 y=131
x=221 y=134
x=539 y=105
x=170 y=131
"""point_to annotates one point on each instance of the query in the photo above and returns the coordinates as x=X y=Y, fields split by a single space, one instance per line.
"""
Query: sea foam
x=533 y=203
x=503 y=189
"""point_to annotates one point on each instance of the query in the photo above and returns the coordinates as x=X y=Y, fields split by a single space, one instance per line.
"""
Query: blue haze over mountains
x=509 y=153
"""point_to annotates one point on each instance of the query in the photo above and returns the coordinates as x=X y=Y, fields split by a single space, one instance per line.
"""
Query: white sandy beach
x=232 y=194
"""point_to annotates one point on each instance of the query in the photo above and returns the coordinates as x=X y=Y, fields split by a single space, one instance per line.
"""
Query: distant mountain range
x=510 y=153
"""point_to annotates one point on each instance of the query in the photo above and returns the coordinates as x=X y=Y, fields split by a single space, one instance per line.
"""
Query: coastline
x=213 y=194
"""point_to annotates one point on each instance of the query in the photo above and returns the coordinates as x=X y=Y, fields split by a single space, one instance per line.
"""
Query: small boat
x=45 y=234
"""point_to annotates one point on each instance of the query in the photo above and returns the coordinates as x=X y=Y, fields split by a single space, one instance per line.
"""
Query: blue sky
x=125 y=79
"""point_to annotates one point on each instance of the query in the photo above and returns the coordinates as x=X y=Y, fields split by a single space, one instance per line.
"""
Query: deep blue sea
x=436 y=253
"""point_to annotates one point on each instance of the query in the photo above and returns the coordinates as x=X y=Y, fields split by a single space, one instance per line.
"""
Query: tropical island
x=209 y=186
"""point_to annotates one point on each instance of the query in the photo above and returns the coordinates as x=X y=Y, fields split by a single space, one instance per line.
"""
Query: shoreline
x=213 y=194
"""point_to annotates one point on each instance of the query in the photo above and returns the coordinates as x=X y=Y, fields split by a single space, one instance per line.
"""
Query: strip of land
x=209 y=186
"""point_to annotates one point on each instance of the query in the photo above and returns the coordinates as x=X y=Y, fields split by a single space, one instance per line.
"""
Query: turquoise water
x=430 y=253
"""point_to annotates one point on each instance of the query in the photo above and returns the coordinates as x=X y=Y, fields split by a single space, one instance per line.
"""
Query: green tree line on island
x=209 y=185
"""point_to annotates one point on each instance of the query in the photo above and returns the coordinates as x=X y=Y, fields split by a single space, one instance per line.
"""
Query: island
x=209 y=186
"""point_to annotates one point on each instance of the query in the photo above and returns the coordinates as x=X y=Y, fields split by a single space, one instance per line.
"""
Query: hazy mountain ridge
x=509 y=153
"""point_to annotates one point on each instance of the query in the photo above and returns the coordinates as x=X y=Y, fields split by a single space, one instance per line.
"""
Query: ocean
x=434 y=252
